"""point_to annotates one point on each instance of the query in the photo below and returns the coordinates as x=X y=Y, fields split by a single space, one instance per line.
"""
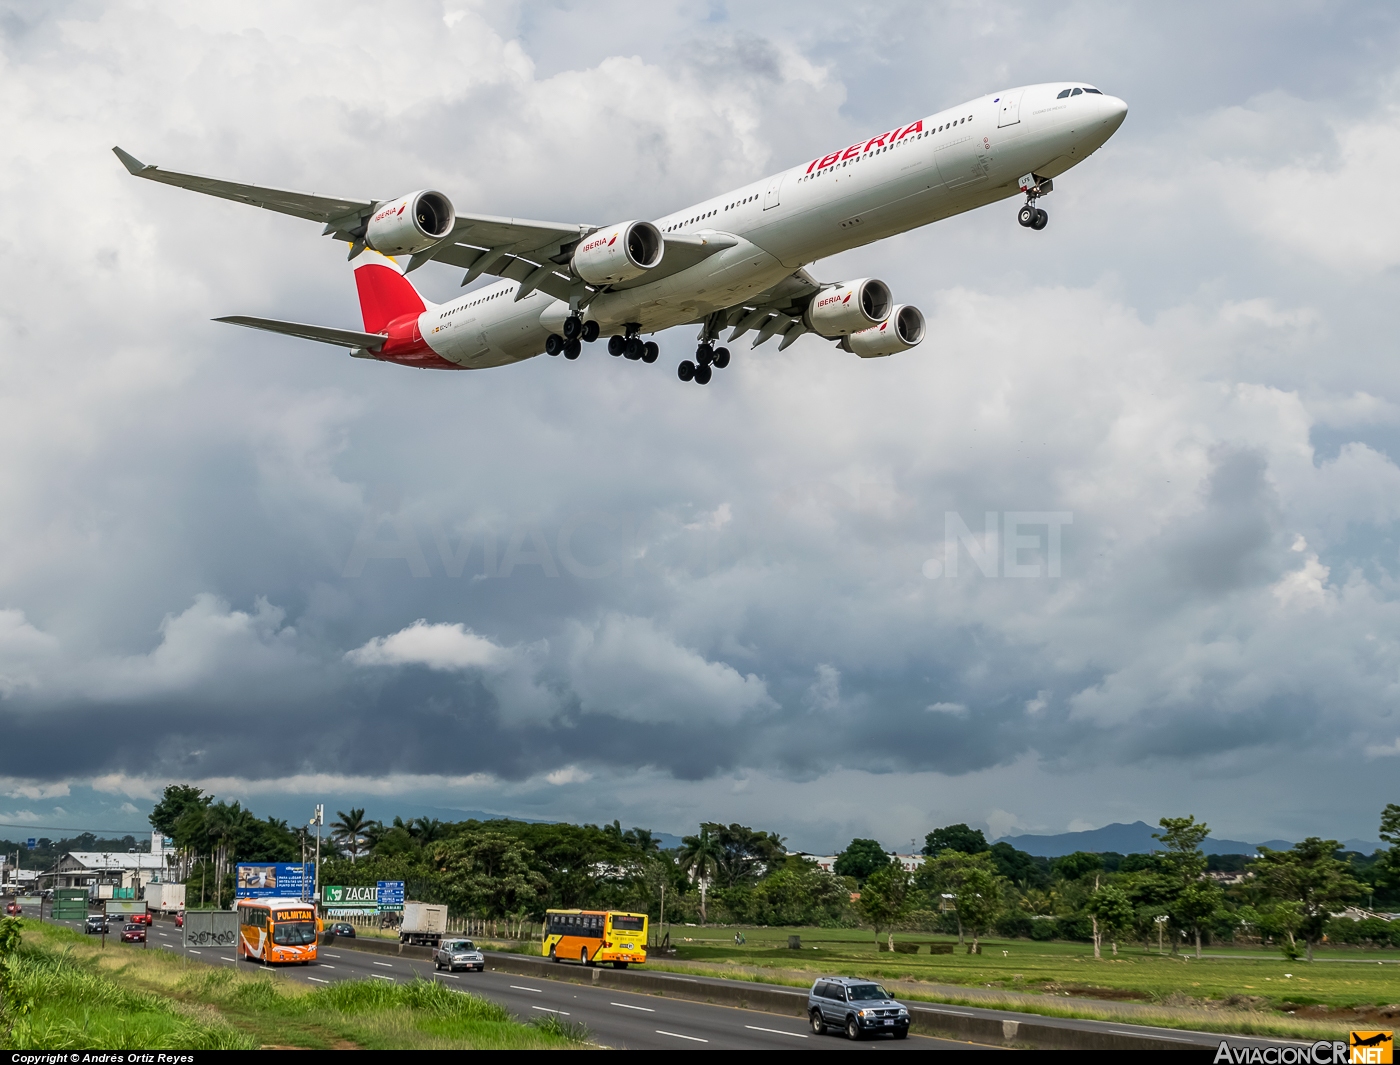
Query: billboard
x=265 y=880
x=211 y=928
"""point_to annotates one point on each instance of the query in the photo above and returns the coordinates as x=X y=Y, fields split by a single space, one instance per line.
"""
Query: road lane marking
x=193 y=951
x=318 y=981
x=381 y=976
x=166 y=946
x=335 y=956
x=448 y=976
x=629 y=1006
x=536 y=990
x=677 y=1035
x=234 y=960
x=325 y=966
x=385 y=964
x=775 y=1031
x=546 y=1009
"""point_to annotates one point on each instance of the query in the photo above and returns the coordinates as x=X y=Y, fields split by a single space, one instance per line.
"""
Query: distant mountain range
x=1137 y=839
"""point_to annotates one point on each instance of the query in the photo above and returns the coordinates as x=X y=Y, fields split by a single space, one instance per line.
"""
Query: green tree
x=1310 y=876
x=885 y=897
x=1112 y=914
x=175 y=801
x=1076 y=865
x=700 y=857
x=349 y=830
x=973 y=883
x=861 y=859
x=1183 y=865
x=490 y=873
x=1389 y=873
x=955 y=838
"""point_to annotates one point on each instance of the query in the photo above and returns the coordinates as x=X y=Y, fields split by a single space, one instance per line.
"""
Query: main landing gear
x=707 y=356
x=577 y=332
x=631 y=346
x=1031 y=216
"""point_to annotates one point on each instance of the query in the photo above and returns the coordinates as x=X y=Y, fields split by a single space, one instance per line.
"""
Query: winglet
x=131 y=162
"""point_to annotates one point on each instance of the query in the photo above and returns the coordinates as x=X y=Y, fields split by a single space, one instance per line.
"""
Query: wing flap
x=345 y=338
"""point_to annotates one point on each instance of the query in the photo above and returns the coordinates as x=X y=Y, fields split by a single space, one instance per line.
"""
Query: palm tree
x=349 y=831
x=700 y=856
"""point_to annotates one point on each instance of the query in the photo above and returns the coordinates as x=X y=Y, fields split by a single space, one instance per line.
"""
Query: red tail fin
x=385 y=294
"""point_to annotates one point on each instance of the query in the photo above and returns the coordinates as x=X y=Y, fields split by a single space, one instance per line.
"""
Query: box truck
x=423 y=923
x=165 y=898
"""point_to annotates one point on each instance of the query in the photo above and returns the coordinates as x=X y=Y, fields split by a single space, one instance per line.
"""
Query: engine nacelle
x=843 y=309
x=411 y=223
x=618 y=253
x=902 y=330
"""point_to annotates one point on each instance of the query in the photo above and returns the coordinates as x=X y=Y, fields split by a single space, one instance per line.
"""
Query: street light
x=317 y=819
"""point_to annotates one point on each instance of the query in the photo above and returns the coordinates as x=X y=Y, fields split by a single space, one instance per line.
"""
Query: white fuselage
x=944 y=164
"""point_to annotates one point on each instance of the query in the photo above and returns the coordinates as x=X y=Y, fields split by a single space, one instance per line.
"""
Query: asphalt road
x=619 y=1019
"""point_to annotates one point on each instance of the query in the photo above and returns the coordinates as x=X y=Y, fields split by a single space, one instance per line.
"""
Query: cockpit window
x=1077 y=92
x=1087 y=89
x=1062 y=95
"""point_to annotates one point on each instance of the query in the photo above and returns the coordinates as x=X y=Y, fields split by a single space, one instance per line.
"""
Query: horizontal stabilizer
x=344 y=338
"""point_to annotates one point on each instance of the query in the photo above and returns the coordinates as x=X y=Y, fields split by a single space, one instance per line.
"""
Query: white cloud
x=438 y=646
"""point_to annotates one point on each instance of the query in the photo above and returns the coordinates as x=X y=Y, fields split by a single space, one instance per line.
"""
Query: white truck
x=423 y=923
x=165 y=898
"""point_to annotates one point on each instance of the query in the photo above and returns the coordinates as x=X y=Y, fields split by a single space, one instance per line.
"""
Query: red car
x=141 y=918
x=179 y=920
x=12 y=908
x=133 y=933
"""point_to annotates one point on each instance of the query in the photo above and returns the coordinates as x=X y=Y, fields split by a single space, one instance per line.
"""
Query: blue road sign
x=31 y=843
x=390 y=895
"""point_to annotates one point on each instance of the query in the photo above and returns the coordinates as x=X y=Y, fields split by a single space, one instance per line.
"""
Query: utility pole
x=317 y=819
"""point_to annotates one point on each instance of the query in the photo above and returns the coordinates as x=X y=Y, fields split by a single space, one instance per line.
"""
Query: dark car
x=12 y=908
x=458 y=954
x=857 y=1007
x=342 y=929
x=95 y=924
x=133 y=933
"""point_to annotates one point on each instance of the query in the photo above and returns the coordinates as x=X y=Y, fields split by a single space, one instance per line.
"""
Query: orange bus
x=277 y=930
x=592 y=936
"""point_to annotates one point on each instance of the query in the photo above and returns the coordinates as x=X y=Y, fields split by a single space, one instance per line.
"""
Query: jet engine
x=411 y=223
x=618 y=253
x=849 y=308
x=902 y=330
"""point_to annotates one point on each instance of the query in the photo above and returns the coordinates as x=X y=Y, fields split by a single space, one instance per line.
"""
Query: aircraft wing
x=778 y=311
x=345 y=338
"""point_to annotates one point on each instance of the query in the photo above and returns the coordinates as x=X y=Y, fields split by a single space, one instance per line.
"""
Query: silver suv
x=458 y=954
x=857 y=1007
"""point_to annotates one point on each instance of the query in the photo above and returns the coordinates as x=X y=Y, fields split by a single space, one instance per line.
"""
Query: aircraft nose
x=1117 y=111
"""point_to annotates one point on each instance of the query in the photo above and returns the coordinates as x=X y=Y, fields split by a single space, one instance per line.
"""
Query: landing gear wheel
x=590 y=332
x=553 y=344
x=650 y=353
x=1027 y=216
x=572 y=348
x=704 y=355
x=703 y=375
x=852 y=1029
x=818 y=1025
x=616 y=344
x=635 y=348
x=573 y=326
x=686 y=371
x=721 y=358
x=1041 y=220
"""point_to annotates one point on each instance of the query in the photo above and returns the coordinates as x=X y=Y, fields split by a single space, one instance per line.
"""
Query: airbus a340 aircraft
x=735 y=261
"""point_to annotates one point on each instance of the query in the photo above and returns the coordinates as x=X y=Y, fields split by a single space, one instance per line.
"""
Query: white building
x=116 y=868
x=911 y=863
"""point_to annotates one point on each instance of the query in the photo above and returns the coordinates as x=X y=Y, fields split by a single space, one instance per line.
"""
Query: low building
x=131 y=871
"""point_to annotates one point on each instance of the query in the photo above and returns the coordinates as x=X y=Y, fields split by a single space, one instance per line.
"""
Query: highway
x=618 y=1019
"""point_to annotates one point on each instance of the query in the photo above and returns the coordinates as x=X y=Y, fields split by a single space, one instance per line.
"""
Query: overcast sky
x=620 y=596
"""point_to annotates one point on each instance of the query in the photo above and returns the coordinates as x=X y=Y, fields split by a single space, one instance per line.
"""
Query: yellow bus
x=591 y=936
x=277 y=930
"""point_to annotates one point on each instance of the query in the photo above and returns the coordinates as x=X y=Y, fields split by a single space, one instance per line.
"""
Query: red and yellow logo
x=1372 y=1048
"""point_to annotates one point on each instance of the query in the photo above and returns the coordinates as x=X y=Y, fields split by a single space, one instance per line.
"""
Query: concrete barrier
x=377 y=946
x=950 y=1022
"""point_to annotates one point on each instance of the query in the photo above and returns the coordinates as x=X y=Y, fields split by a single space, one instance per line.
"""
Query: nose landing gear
x=1031 y=216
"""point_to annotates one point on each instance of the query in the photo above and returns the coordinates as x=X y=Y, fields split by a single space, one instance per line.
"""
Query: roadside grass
x=1239 y=990
x=87 y=997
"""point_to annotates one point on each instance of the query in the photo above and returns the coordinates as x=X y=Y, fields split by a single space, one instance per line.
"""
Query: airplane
x=735 y=261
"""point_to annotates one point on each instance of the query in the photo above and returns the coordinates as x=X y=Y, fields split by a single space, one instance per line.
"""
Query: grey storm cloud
x=583 y=590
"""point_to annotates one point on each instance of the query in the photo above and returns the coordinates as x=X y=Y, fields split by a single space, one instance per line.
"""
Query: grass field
x=1231 y=989
x=85 y=997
